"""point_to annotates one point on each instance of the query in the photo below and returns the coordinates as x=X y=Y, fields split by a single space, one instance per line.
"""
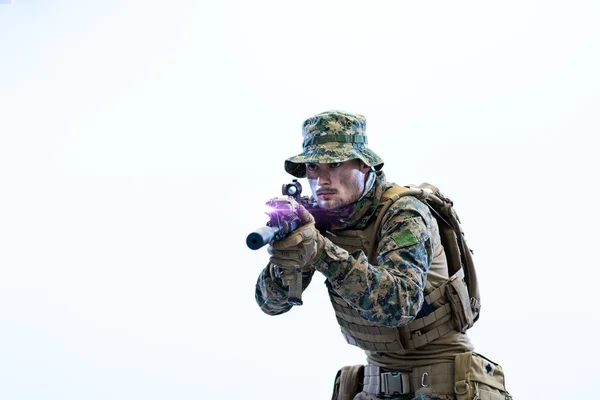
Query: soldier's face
x=336 y=185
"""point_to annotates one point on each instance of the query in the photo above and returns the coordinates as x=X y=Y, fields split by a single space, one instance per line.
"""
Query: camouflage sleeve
x=391 y=293
x=271 y=295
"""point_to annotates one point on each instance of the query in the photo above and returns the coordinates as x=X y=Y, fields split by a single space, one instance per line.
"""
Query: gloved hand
x=299 y=250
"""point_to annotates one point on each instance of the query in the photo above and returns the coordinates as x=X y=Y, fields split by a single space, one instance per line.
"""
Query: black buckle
x=394 y=384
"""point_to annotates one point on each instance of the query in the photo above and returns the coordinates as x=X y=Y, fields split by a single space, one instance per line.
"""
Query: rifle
x=283 y=220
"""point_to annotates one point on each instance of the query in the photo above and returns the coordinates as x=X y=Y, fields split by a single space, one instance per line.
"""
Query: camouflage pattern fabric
x=333 y=136
x=388 y=294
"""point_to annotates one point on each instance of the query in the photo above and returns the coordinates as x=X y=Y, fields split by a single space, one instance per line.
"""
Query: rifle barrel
x=261 y=237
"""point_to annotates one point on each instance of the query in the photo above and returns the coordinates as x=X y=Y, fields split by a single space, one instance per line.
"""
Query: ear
x=364 y=167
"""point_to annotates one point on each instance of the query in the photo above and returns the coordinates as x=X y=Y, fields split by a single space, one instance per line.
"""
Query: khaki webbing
x=440 y=292
x=410 y=334
x=423 y=322
x=438 y=377
x=417 y=333
x=420 y=340
x=393 y=347
x=374 y=334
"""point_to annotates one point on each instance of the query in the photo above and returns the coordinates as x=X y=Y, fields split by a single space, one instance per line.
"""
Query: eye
x=311 y=167
x=335 y=165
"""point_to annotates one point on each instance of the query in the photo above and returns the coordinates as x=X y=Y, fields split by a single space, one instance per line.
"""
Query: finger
x=304 y=215
x=307 y=233
x=285 y=254
x=272 y=250
x=285 y=264
x=291 y=241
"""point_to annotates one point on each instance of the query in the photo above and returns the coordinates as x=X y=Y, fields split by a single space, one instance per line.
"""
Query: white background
x=139 y=141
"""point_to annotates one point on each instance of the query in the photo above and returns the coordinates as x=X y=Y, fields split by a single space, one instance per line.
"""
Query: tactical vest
x=451 y=298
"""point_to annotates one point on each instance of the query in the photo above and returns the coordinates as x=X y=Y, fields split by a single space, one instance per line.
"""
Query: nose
x=324 y=177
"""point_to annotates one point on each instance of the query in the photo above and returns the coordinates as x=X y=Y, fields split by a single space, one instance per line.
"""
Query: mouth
x=325 y=194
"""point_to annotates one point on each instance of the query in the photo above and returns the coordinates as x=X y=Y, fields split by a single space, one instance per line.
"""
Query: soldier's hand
x=301 y=249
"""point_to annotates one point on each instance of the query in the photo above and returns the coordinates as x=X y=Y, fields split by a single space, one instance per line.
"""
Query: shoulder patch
x=405 y=238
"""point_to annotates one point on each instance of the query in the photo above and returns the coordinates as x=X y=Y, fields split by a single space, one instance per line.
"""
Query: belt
x=385 y=383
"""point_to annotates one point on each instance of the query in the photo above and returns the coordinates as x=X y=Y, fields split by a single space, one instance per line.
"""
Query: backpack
x=458 y=253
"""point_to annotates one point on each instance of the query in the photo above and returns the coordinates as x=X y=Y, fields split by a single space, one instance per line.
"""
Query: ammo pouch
x=477 y=378
x=460 y=302
x=348 y=382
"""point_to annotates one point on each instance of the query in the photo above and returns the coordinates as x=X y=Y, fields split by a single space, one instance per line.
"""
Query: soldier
x=386 y=270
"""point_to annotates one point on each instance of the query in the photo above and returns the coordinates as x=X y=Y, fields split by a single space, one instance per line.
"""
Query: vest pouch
x=478 y=378
x=458 y=296
x=348 y=382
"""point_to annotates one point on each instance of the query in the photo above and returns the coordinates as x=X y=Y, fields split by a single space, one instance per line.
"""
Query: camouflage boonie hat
x=333 y=136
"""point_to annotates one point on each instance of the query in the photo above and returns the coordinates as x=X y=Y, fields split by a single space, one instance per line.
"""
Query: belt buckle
x=394 y=384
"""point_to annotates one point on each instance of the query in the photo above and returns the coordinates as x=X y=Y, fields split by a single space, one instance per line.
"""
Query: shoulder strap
x=455 y=246
x=387 y=199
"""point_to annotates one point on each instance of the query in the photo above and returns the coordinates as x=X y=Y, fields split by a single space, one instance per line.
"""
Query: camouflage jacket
x=389 y=293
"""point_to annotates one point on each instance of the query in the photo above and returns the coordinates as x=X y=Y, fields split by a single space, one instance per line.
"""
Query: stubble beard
x=356 y=183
